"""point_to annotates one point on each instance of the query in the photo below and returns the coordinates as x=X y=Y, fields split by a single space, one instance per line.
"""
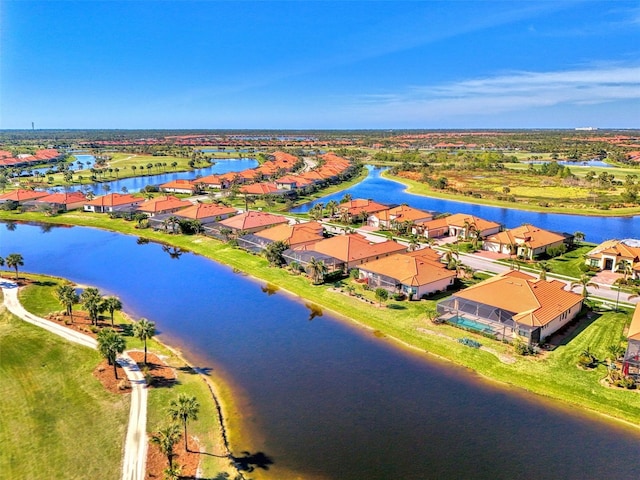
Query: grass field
x=57 y=419
x=39 y=298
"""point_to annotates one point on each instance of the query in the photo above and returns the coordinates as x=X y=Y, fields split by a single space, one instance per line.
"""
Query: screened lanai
x=477 y=316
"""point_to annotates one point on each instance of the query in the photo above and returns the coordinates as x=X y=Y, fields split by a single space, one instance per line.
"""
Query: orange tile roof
x=205 y=210
x=260 y=188
x=410 y=269
x=63 y=198
x=634 y=328
x=252 y=219
x=459 y=220
x=21 y=195
x=163 y=204
x=354 y=247
x=114 y=199
x=359 y=205
x=180 y=184
x=616 y=248
x=209 y=180
x=293 y=235
x=531 y=236
x=534 y=302
x=403 y=213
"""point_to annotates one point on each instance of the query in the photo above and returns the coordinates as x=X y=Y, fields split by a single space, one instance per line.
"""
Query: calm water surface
x=322 y=398
x=597 y=229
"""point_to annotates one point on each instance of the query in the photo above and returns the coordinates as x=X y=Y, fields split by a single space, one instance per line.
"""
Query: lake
x=321 y=397
x=597 y=229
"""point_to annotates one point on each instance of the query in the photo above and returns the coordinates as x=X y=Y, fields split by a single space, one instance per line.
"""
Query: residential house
x=613 y=254
x=394 y=217
x=251 y=222
x=415 y=274
x=179 y=186
x=113 y=202
x=360 y=208
x=513 y=305
x=456 y=225
x=206 y=212
x=163 y=204
x=214 y=181
x=58 y=202
x=354 y=249
x=526 y=241
x=20 y=196
x=295 y=235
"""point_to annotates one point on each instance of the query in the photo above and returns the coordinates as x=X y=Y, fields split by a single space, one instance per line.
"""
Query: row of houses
x=272 y=177
x=7 y=159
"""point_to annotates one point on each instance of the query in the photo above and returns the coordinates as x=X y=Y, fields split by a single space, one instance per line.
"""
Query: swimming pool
x=464 y=322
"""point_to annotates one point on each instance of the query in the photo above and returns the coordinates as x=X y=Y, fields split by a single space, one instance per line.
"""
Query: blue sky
x=319 y=65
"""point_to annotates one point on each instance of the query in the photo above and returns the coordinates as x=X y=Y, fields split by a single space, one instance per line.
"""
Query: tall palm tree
x=183 y=409
x=143 y=330
x=332 y=206
x=92 y=302
x=111 y=304
x=14 y=260
x=110 y=345
x=317 y=270
x=585 y=281
x=626 y=268
x=67 y=297
x=166 y=439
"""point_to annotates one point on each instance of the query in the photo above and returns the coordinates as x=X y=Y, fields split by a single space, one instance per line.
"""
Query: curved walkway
x=135 y=448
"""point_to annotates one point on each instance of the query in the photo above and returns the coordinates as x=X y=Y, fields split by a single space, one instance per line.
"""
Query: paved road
x=135 y=448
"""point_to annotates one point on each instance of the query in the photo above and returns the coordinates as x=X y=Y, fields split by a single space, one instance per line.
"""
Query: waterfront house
x=525 y=241
x=457 y=225
x=295 y=235
x=179 y=186
x=415 y=274
x=214 y=181
x=58 y=202
x=20 y=196
x=613 y=254
x=513 y=305
x=113 y=202
x=360 y=208
x=396 y=216
x=631 y=362
x=206 y=212
x=251 y=222
x=163 y=204
x=354 y=249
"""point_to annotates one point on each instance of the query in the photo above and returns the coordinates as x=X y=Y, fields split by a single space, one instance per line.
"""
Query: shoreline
x=414 y=188
x=447 y=351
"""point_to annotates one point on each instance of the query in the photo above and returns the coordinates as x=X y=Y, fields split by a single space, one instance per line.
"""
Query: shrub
x=398 y=297
x=522 y=348
x=469 y=342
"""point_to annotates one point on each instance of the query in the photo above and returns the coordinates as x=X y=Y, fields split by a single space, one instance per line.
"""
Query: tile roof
x=354 y=247
x=63 y=198
x=205 y=210
x=180 y=184
x=534 y=302
x=115 y=199
x=21 y=195
x=531 y=236
x=292 y=235
x=634 y=328
x=253 y=219
x=261 y=188
x=359 y=205
x=403 y=213
x=413 y=269
x=163 y=204
x=616 y=248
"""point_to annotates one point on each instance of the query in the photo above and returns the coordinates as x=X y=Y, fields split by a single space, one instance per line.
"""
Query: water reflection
x=174 y=252
x=314 y=310
x=269 y=289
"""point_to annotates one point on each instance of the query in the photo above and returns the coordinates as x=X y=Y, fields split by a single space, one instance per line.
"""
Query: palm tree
x=14 y=260
x=92 y=301
x=185 y=408
x=67 y=297
x=332 y=206
x=273 y=253
x=381 y=295
x=143 y=330
x=1 y=262
x=585 y=281
x=579 y=236
x=544 y=268
x=111 y=304
x=110 y=345
x=317 y=270
x=346 y=198
x=166 y=439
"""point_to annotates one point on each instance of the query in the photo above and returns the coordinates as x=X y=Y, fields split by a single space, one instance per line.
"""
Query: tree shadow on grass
x=45 y=283
x=395 y=306
x=571 y=330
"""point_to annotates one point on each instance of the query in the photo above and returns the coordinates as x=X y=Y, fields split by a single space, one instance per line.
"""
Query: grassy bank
x=554 y=375
x=419 y=188
x=77 y=436
x=39 y=298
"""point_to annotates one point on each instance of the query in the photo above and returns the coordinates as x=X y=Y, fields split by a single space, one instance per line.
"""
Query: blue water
x=321 y=397
x=472 y=324
x=597 y=229
x=586 y=163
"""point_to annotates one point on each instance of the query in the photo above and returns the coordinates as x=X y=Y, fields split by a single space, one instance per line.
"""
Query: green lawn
x=39 y=298
x=57 y=419
x=569 y=264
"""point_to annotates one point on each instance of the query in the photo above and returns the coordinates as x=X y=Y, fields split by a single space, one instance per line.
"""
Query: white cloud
x=517 y=91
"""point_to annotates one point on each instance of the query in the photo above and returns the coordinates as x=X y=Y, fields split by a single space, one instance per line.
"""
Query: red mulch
x=104 y=373
x=188 y=461
x=81 y=322
x=163 y=375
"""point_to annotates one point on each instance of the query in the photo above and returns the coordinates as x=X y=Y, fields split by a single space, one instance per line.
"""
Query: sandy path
x=135 y=448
